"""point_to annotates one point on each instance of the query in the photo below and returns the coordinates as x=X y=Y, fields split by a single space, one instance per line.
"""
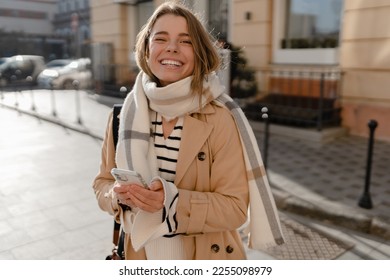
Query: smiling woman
x=170 y=55
x=190 y=142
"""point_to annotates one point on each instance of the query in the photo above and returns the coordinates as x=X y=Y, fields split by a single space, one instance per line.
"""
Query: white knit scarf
x=135 y=149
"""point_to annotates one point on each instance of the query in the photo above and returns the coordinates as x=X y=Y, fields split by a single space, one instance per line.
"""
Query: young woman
x=193 y=146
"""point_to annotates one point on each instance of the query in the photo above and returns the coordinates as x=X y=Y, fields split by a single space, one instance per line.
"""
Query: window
x=145 y=10
x=307 y=31
x=312 y=24
x=60 y=8
x=218 y=18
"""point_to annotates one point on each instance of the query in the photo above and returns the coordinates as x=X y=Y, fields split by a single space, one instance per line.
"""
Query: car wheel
x=68 y=84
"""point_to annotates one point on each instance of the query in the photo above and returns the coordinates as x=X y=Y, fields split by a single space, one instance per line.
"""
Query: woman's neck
x=168 y=126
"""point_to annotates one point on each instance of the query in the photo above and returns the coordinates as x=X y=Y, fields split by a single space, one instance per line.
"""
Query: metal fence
x=299 y=97
x=109 y=78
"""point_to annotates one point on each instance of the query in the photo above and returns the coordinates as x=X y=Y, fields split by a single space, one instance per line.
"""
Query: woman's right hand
x=123 y=194
x=150 y=200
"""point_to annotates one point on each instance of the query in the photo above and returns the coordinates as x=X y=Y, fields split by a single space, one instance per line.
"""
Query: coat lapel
x=195 y=134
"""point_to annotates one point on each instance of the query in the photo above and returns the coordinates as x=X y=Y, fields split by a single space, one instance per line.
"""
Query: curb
x=54 y=120
x=330 y=212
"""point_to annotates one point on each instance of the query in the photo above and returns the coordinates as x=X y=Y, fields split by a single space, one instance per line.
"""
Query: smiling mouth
x=171 y=62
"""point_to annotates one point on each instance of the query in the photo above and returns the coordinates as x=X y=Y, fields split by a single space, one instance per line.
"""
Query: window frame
x=323 y=56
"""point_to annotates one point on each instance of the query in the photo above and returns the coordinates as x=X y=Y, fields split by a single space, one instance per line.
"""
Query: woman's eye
x=186 y=42
x=159 y=39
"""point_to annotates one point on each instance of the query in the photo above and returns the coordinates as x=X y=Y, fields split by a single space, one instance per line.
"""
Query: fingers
x=122 y=194
x=147 y=200
x=150 y=200
x=156 y=185
x=120 y=188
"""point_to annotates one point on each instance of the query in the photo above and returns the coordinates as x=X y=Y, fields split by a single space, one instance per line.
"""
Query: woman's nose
x=172 y=47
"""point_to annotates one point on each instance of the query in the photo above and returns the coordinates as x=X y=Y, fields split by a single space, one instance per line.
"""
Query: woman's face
x=171 y=55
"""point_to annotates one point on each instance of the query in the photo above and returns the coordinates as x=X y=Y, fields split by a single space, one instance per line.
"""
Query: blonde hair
x=207 y=58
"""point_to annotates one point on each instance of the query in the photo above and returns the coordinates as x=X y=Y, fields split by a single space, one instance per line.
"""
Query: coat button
x=215 y=248
x=201 y=156
x=229 y=249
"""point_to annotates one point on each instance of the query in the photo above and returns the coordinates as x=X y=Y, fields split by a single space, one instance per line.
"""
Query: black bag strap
x=115 y=122
x=115 y=127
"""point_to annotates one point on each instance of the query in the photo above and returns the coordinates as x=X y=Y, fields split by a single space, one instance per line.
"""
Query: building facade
x=50 y=28
x=365 y=60
x=322 y=35
x=26 y=27
x=72 y=22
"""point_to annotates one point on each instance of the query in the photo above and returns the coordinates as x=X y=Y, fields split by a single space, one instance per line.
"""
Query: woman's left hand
x=150 y=200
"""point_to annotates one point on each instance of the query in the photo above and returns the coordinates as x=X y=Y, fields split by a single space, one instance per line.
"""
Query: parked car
x=17 y=68
x=61 y=74
x=58 y=63
x=3 y=59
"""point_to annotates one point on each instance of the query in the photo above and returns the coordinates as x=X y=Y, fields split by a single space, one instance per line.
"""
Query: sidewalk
x=306 y=180
x=325 y=179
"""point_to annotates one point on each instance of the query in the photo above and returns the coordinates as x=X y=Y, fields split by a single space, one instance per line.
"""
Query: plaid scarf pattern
x=135 y=146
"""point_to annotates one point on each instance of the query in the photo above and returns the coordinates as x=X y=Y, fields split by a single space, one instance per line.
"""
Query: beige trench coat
x=212 y=184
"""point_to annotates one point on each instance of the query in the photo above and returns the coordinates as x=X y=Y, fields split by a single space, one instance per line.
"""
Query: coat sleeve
x=104 y=182
x=224 y=206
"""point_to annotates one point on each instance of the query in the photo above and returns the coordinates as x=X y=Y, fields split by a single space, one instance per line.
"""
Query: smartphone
x=128 y=177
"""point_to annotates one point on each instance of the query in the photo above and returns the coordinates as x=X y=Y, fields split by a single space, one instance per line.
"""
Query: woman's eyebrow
x=183 y=34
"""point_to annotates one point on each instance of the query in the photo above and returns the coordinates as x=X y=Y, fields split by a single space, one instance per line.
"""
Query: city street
x=47 y=207
x=49 y=155
x=312 y=78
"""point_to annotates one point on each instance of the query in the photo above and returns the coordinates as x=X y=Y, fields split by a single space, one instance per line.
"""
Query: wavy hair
x=207 y=58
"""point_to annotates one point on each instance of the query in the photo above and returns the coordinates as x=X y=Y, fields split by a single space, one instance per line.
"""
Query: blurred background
x=311 y=76
x=314 y=63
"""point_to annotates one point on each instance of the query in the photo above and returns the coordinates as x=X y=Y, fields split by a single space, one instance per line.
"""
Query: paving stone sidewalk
x=325 y=180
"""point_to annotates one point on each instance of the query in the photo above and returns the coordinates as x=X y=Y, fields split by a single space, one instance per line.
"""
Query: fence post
x=76 y=85
x=53 y=100
x=16 y=90
x=365 y=200
x=123 y=91
x=29 y=80
x=265 y=117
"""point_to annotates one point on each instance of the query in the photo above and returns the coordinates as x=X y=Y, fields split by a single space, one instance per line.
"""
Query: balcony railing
x=299 y=97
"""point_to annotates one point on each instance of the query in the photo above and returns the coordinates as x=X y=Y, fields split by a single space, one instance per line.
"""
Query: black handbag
x=118 y=238
x=118 y=252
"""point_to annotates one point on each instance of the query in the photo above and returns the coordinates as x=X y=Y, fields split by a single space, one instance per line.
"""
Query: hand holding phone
x=128 y=177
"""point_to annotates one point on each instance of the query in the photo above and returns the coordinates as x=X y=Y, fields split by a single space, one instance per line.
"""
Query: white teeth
x=171 y=62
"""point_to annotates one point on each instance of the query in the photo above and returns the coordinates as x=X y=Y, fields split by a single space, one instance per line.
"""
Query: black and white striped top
x=170 y=245
x=167 y=150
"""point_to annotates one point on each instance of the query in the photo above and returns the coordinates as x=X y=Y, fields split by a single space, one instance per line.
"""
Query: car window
x=3 y=60
x=57 y=63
